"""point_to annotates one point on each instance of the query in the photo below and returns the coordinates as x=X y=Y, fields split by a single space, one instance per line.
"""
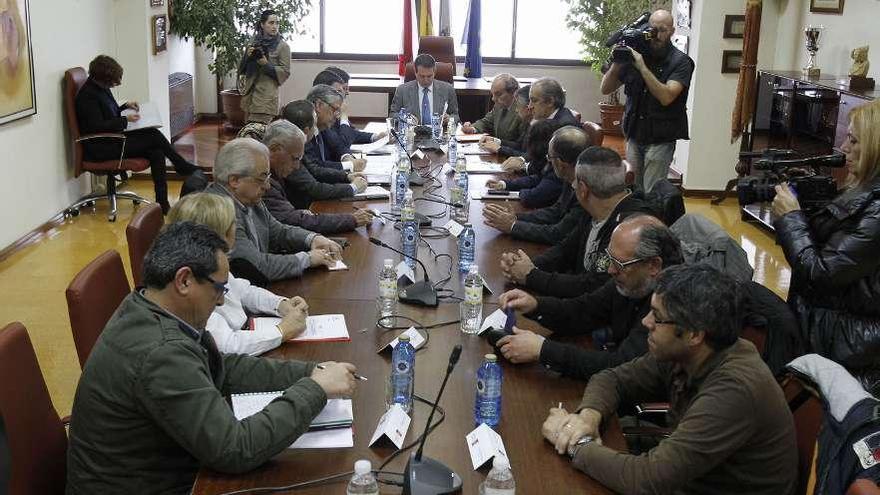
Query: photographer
x=833 y=253
x=656 y=85
x=264 y=67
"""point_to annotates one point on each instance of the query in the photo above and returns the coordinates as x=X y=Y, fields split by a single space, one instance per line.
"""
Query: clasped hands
x=564 y=429
x=524 y=346
x=324 y=252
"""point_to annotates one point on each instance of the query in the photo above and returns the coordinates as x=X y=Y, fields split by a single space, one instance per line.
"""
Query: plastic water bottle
x=400 y=179
x=466 y=242
x=409 y=230
x=410 y=140
x=487 y=405
x=402 y=123
x=452 y=150
x=403 y=361
x=436 y=126
x=500 y=479
x=460 y=190
x=363 y=482
x=386 y=301
x=471 y=308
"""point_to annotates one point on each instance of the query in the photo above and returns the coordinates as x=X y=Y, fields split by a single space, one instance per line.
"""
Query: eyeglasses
x=621 y=265
x=550 y=157
x=220 y=287
x=260 y=178
x=336 y=109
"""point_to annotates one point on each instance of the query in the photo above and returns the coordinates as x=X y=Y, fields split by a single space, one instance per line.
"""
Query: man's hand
x=490 y=144
x=553 y=423
x=496 y=184
x=362 y=217
x=294 y=322
x=358 y=164
x=321 y=242
x=523 y=346
x=133 y=117
x=785 y=201
x=378 y=135
x=576 y=426
x=516 y=266
x=359 y=183
x=513 y=164
x=468 y=128
x=132 y=105
x=500 y=217
x=638 y=61
x=263 y=60
x=337 y=379
x=320 y=257
x=519 y=300
x=288 y=305
x=351 y=176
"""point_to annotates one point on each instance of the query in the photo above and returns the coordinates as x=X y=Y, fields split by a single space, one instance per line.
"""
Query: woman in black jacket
x=834 y=255
x=97 y=112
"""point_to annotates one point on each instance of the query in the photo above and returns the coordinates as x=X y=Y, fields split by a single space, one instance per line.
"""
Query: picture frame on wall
x=681 y=15
x=680 y=41
x=734 y=26
x=826 y=6
x=160 y=33
x=17 y=87
x=731 y=60
x=157 y=3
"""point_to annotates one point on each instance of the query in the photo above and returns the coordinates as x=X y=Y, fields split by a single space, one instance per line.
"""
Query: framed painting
x=826 y=6
x=160 y=33
x=680 y=41
x=17 y=93
x=731 y=60
x=734 y=26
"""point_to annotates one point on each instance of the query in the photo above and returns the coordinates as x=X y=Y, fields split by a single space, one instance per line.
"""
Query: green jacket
x=504 y=124
x=150 y=411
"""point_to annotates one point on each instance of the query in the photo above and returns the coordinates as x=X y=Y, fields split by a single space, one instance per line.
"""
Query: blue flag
x=473 y=63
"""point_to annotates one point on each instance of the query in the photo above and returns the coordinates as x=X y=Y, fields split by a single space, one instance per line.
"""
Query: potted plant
x=596 y=20
x=225 y=27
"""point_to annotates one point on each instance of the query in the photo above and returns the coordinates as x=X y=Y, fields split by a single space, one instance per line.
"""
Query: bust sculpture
x=860 y=62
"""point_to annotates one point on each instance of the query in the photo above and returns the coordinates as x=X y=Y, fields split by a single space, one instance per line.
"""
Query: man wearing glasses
x=328 y=105
x=641 y=247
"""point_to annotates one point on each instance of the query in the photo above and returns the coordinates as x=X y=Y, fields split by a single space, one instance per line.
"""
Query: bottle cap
x=363 y=466
x=404 y=337
x=388 y=262
x=409 y=194
x=474 y=268
x=491 y=358
x=499 y=462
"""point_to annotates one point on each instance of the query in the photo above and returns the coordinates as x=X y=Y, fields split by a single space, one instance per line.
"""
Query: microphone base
x=429 y=477
x=419 y=294
x=423 y=220
x=415 y=179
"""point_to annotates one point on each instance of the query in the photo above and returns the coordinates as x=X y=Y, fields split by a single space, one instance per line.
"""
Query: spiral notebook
x=330 y=429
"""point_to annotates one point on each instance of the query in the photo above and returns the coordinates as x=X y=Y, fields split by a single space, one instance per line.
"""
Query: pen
x=359 y=377
x=560 y=406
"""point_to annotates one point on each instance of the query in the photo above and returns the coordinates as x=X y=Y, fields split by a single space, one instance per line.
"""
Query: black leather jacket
x=835 y=282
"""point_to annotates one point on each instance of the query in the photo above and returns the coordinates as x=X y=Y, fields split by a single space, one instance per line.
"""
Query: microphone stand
x=414 y=178
x=419 y=293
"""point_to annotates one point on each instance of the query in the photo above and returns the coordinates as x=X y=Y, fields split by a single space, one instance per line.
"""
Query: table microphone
x=414 y=178
x=419 y=293
x=426 y=476
x=440 y=202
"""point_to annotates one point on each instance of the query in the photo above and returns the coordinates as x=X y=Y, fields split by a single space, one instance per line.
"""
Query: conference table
x=529 y=391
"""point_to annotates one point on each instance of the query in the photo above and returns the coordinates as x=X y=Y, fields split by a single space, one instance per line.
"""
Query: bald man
x=656 y=85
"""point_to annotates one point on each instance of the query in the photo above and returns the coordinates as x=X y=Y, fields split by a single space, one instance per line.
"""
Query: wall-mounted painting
x=826 y=6
x=731 y=60
x=17 y=95
x=734 y=26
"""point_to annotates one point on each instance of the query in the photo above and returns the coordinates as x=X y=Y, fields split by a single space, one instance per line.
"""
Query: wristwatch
x=573 y=450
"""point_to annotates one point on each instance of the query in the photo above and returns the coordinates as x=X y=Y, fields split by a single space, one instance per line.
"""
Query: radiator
x=180 y=96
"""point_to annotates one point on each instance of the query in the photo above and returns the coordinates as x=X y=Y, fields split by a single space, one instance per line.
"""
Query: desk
x=529 y=391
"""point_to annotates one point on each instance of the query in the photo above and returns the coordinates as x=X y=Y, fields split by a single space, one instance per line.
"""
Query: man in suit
x=328 y=103
x=341 y=135
x=424 y=96
x=502 y=121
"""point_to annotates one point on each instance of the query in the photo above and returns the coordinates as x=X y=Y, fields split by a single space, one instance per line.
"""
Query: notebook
x=331 y=428
x=327 y=328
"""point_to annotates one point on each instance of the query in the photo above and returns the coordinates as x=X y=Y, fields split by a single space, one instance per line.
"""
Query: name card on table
x=484 y=444
x=393 y=425
x=404 y=271
x=454 y=228
x=496 y=320
x=339 y=265
x=415 y=338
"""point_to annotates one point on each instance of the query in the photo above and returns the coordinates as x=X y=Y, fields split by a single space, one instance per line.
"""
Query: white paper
x=334 y=411
x=415 y=338
x=246 y=405
x=497 y=319
x=403 y=270
x=478 y=194
x=378 y=166
x=484 y=444
x=468 y=138
x=378 y=179
x=472 y=149
x=325 y=327
x=150 y=117
x=373 y=192
x=394 y=425
x=484 y=168
x=376 y=127
x=325 y=439
x=370 y=147
x=454 y=228
x=338 y=266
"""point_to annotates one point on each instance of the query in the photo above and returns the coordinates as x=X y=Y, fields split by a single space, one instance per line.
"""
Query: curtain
x=744 y=106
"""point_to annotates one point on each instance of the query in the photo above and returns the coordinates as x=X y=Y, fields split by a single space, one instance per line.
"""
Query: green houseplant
x=596 y=20
x=225 y=27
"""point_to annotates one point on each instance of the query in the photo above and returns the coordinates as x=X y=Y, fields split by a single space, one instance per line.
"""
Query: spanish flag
x=423 y=17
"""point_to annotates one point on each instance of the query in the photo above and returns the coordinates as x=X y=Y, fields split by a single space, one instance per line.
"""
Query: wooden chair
x=37 y=440
x=444 y=72
x=442 y=48
x=73 y=80
x=142 y=229
x=594 y=132
x=92 y=298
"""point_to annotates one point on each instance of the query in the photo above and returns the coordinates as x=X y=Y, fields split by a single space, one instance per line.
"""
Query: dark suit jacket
x=283 y=210
x=565 y=117
x=96 y=112
x=551 y=224
x=353 y=135
x=538 y=189
x=502 y=123
x=302 y=187
x=320 y=152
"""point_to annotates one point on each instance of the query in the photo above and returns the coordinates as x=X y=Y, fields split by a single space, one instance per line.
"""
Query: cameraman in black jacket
x=834 y=255
x=656 y=86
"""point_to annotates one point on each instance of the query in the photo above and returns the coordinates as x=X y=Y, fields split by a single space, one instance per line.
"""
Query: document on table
x=376 y=127
x=480 y=167
x=378 y=165
x=329 y=328
x=370 y=147
x=483 y=194
x=468 y=138
x=150 y=117
x=472 y=149
x=330 y=429
x=373 y=192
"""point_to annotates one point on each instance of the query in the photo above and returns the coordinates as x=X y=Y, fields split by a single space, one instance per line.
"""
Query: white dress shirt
x=226 y=321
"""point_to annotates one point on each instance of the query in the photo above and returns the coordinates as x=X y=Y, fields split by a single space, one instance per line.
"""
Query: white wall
x=857 y=26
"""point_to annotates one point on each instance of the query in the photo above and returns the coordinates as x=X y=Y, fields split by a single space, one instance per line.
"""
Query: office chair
x=442 y=48
x=443 y=72
x=576 y=114
x=594 y=133
x=37 y=440
x=144 y=226
x=92 y=298
x=74 y=79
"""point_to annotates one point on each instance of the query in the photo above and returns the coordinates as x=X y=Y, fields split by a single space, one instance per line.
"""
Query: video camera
x=812 y=189
x=636 y=35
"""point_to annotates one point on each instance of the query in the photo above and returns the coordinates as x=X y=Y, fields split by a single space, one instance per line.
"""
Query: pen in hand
x=359 y=377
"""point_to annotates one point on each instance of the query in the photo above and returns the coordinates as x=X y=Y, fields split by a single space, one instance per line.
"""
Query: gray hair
x=283 y=133
x=552 y=90
x=602 y=170
x=656 y=240
x=522 y=95
x=324 y=93
x=237 y=157
x=510 y=82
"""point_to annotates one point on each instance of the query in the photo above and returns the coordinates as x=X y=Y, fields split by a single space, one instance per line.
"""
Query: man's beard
x=642 y=290
x=658 y=53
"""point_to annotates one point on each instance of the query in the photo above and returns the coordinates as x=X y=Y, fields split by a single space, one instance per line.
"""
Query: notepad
x=476 y=167
x=331 y=428
x=370 y=147
x=328 y=328
x=373 y=192
x=468 y=138
x=150 y=117
x=472 y=149
x=484 y=195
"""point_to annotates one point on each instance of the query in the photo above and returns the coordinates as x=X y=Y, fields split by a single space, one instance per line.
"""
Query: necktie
x=426 y=108
x=319 y=140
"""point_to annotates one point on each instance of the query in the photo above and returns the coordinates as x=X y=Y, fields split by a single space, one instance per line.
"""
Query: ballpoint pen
x=359 y=377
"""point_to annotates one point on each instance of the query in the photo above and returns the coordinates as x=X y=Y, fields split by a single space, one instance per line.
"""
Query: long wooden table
x=529 y=391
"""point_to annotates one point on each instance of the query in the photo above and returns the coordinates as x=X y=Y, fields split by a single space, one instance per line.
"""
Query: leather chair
x=594 y=133
x=142 y=229
x=73 y=80
x=92 y=297
x=442 y=48
x=444 y=72
x=576 y=114
x=863 y=487
x=37 y=440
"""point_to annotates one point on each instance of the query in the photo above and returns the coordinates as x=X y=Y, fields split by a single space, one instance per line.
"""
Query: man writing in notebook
x=149 y=410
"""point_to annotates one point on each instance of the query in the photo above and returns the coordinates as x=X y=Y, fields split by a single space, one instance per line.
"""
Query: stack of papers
x=150 y=117
x=468 y=138
x=373 y=192
x=475 y=167
x=328 y=328
x=472 y=149
x=330 y=429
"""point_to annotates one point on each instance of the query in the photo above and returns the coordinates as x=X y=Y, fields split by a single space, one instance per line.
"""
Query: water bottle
x=487 y=405
x=410 y=140
x=450 y=126
x=436 y=126
x=363 y=482
x=500 y=479
x=460 y=190
x=409 y=230
x=400 y=182
x=403 y=361
x=402 y=115
x=386 y=301
x=471 y=307
x=466 y=243
x=452 y=150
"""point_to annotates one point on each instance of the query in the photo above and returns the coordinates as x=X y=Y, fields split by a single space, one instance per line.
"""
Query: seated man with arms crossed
x=733 y=432
x=263 y=244
x=502 y=122
x=424 y=95
x=149 y=409
x=328 y=104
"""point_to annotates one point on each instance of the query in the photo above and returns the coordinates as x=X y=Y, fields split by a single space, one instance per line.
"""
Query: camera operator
x=656 y=86
x=264 y=67
x=833 y=253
